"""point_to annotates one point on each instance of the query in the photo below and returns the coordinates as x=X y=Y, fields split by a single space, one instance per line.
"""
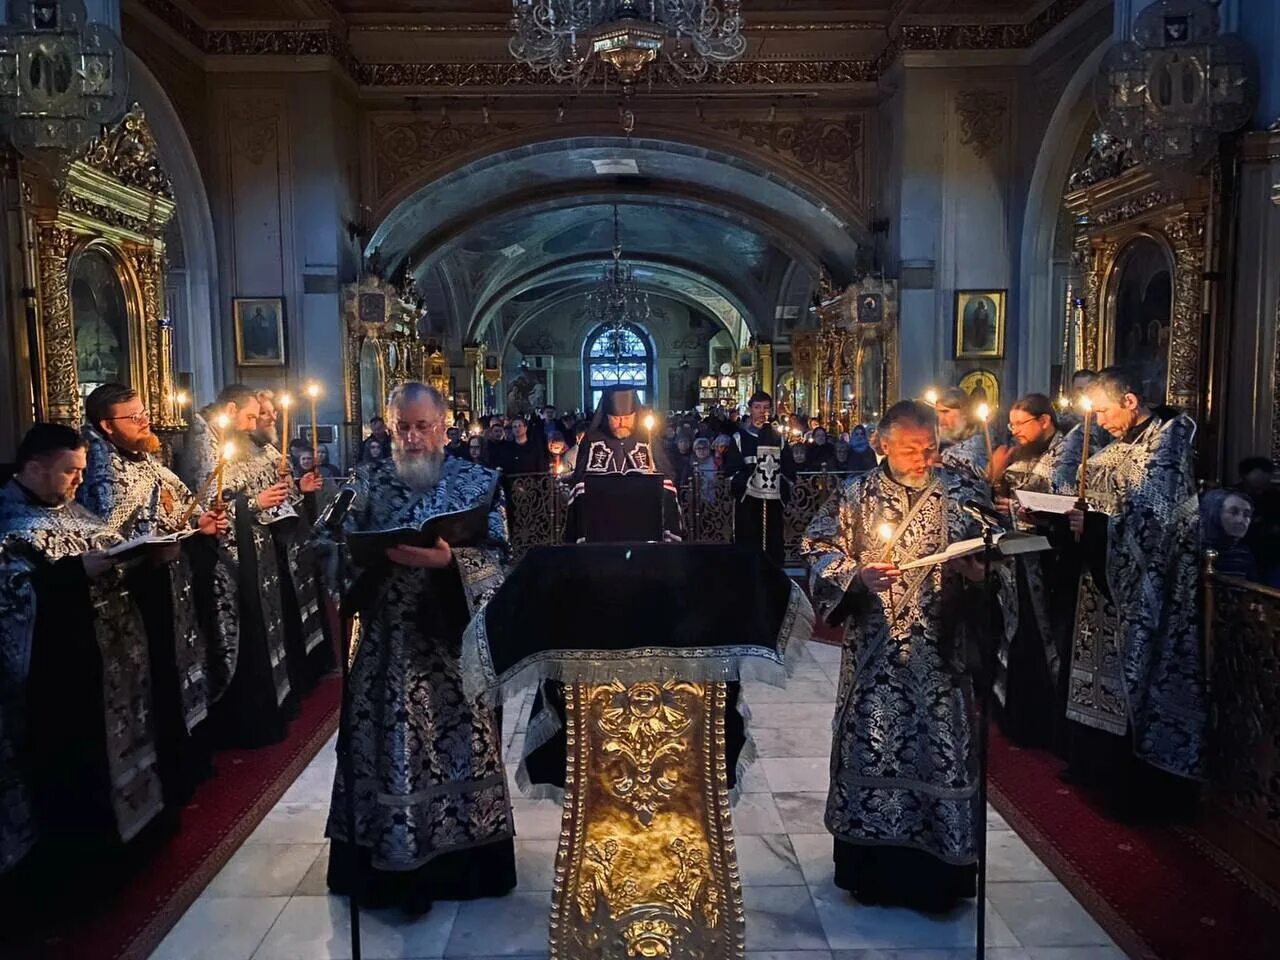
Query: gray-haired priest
x=1136 y=697
x=77 y=751
x=192 y=656
x=904 y=790
x=433 y=817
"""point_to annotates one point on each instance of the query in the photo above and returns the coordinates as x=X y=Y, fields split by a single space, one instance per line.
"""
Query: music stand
x=622 y=507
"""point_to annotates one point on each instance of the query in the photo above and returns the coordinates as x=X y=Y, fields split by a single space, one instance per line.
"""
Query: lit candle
x=931 y=397
x=313 y=393
x=885 y=532
x=222 y=421
x=1087 y=406
x=228 y=451
x=984 y=414
x=648 y=425
x=285 y=402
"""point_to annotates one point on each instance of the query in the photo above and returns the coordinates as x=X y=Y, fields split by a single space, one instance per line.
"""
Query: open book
x=460 y=528
x=1006 y=544
x=139 y=546
x=1045 y=502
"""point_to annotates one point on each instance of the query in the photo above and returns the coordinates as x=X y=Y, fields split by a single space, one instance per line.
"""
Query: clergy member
x=904 y=789
x=1030 y=681
x=433 y=818
x=760 y=483
x=254 y=711
x=77 y=754
x=134 y=493
x=960 y=438
x=1137 y=682
x=613 y=445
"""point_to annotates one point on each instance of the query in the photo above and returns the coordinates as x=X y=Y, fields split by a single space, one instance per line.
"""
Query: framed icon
x=980 y=322
x=983 y=386
x=259 y=328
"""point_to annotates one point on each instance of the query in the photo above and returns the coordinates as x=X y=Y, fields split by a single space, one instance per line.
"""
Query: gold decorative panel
x=646 y=864
x=115 y=200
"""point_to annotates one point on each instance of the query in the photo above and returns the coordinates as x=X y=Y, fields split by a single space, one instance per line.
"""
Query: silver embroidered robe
x=428 y=761
x=1136 y=663
x=903 y=764
x=967 y=456
x=121 y=490
x=32 y=534
x=243 y=479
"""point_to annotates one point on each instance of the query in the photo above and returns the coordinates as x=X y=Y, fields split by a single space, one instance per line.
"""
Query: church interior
x=228 y=219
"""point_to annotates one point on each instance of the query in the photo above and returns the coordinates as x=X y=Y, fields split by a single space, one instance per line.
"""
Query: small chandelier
x=618 y=301
x=571 y=38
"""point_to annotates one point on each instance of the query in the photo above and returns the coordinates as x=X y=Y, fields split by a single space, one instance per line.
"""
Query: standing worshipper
x=77 y=747
x=192 y=648
x=903 y=801
x=253 y=712
x=861 y=455
x=960 y=438
x=1030 y=683
x=433 y=819
x=760 y=484
x=611 y=446
x=1137 y=683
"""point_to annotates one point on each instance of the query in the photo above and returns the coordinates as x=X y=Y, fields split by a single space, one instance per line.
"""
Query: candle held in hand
x=285 y=402
x=1086 y=404
x=313 y=394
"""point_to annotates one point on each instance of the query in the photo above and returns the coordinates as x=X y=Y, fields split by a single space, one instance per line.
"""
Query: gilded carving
x=646 y=865
x=1186 y=235
x=128 y=153
x=58 y=337
x=983 y=115
x=403 y=149
x=831 y=149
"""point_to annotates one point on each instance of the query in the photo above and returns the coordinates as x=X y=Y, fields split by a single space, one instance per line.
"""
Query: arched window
x=616 y=358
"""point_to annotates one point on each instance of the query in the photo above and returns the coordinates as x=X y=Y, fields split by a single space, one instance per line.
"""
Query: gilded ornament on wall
x=984 y=118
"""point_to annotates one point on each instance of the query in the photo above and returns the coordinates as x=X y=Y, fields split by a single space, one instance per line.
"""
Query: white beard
x=267 y=435
x=419 y=471
x=954 y=435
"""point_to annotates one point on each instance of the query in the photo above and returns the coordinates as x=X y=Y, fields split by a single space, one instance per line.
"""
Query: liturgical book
x=460 y=528
x=1006 y=545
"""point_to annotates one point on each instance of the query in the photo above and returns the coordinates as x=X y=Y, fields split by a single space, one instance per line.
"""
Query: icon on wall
x=259 y=328
x=979 y=319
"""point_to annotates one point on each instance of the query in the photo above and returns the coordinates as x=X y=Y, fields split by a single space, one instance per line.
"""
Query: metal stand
x=348 y=772
x=986 y=675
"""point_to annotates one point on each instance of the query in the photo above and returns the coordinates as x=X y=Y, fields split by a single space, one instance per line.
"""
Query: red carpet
x=127 y=918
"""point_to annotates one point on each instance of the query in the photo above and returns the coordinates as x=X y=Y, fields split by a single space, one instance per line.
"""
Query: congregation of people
x=127 y=666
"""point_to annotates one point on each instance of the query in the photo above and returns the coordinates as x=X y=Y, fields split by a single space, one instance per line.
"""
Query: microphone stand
x=986 y=677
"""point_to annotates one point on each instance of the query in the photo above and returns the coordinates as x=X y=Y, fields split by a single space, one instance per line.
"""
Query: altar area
x=270 y=901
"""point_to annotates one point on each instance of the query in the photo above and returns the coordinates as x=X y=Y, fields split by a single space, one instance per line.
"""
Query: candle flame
x=931 y=397
x=285 y=400
x=1064 y=401
x=984 y=412
x=1086 y=404
x=313 y=390
x=885 y=531
x=181 y=399
x=648 y=421
x=223 y=421
x=228 y=451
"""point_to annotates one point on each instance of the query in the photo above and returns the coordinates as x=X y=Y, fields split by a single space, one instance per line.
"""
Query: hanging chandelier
x=618 y=301
x=572 y=38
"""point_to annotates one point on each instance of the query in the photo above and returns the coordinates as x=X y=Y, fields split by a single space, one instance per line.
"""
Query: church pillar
x=765 y=351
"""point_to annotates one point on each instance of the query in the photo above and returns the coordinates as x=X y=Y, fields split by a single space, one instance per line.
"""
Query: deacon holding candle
x=903 y=802
x=1136 y=706
x=961 y=443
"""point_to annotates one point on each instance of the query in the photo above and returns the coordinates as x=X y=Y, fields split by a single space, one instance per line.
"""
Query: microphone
x=981 y=512
x=336 y=513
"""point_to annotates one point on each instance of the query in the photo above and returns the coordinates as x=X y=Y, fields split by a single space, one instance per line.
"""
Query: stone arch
x=201 y=334
x=1040 y=223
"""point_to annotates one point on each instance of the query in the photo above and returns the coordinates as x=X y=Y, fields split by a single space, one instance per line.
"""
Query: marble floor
x=270 y=902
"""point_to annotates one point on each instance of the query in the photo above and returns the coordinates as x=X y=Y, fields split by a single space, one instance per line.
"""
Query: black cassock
x=603 y=454
x=761 y=486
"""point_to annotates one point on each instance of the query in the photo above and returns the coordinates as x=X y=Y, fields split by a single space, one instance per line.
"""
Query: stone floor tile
x=535 y=865
x=802 y=812
x=292 y=823
x=312 y=927
x=781 y=918
x=264 y=870
x=536 y=819
x=225 y=928
x=314 y=882
x=313 y=786
x=803 y=774
x=1009 y=859
x=755 y=814
x=792 y=741
x=1045 y=915
x=796 y=691
x=824 y=652
x=813 y=853
x=516 y=924
x=754 y=779
x=788 y=955
x=850 y=925
x=1075 y=953
x=768 y=861
x=790 y=716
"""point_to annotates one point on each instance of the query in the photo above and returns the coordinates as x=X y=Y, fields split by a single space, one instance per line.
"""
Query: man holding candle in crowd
x=253 y=711
x=1136 y=702
x=961 y=441
x=760 y=484
x=903 y=801
x=432 y=814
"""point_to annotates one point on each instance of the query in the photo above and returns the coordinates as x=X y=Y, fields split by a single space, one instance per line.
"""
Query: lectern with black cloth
x=647 y=638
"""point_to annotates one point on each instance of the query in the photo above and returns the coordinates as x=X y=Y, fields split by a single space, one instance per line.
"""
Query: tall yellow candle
x=228 y=451
x=885 y=532
x=648 y=425
x=984 y=414
x=285 y=402
x=313 y=393
x=1087 y=405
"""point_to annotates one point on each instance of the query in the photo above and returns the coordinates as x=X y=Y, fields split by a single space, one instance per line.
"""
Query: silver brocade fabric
x=904 y=766
x=120 y=490
x=1136 y=663
x=243 y=479
x=968 y=456
x=31 y=534
x=428 y=761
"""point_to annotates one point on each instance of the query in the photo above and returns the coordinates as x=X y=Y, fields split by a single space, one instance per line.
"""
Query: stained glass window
x=616 y=358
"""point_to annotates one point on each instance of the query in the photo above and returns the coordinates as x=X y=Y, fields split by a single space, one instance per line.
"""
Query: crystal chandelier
x=618 y=301
x=571 y=38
